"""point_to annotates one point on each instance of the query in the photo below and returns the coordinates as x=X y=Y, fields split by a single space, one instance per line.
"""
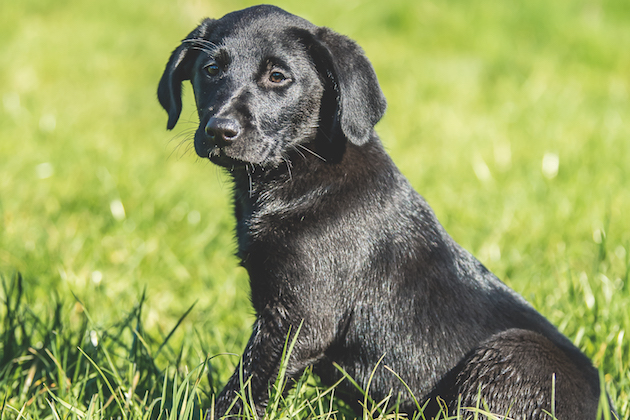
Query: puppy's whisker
x=322 y=132
x=184 y=133
x=183 y=138
x=195 y=47
x=311 y=152
x=201 y=44
x=200 y=41
x=298 y=151
x=288 y=163
x=249 y=178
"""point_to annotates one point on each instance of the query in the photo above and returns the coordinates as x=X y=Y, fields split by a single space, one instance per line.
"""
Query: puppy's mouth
x=218 y=155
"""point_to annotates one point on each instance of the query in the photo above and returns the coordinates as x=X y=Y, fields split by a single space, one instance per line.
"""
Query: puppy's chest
x=266 y=230
x=275 y=229
x=272 y=250
x=286 y=224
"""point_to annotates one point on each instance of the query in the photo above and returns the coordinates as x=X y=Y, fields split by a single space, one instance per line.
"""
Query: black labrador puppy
x=336 y=240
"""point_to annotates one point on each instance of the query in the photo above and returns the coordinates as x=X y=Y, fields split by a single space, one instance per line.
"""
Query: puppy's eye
x=277 y=77
x=212 y=69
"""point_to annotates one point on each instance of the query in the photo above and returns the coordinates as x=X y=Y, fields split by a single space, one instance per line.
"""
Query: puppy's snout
x=222 y=131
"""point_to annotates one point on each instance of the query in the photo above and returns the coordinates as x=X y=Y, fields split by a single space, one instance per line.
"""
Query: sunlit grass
x=511 y=118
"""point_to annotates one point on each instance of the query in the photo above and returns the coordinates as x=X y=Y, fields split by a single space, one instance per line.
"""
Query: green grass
x=118 y=229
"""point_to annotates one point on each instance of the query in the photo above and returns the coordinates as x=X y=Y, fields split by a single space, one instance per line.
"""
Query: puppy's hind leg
x=523 y=375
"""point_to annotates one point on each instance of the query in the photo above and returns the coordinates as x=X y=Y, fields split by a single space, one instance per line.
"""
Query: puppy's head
x=266 y=81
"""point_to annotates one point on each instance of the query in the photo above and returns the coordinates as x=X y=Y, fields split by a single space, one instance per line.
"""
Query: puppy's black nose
x=222 y=131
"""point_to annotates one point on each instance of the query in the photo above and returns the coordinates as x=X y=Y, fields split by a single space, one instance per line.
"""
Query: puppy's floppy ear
x=178 y=69
x=360 y=102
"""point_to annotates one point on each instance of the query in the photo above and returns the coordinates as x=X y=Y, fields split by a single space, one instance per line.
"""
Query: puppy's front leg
x=260 y=363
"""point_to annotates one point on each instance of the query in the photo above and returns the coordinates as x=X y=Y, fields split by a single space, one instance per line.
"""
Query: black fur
x=332 y=234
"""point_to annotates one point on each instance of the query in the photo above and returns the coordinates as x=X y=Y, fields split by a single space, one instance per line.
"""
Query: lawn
x=116 y=247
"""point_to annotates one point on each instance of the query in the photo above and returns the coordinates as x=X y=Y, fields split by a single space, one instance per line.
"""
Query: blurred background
x=511 y=118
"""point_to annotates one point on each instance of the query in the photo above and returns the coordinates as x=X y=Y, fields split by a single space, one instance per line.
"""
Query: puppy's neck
x=308 y=185
x=308 y=172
